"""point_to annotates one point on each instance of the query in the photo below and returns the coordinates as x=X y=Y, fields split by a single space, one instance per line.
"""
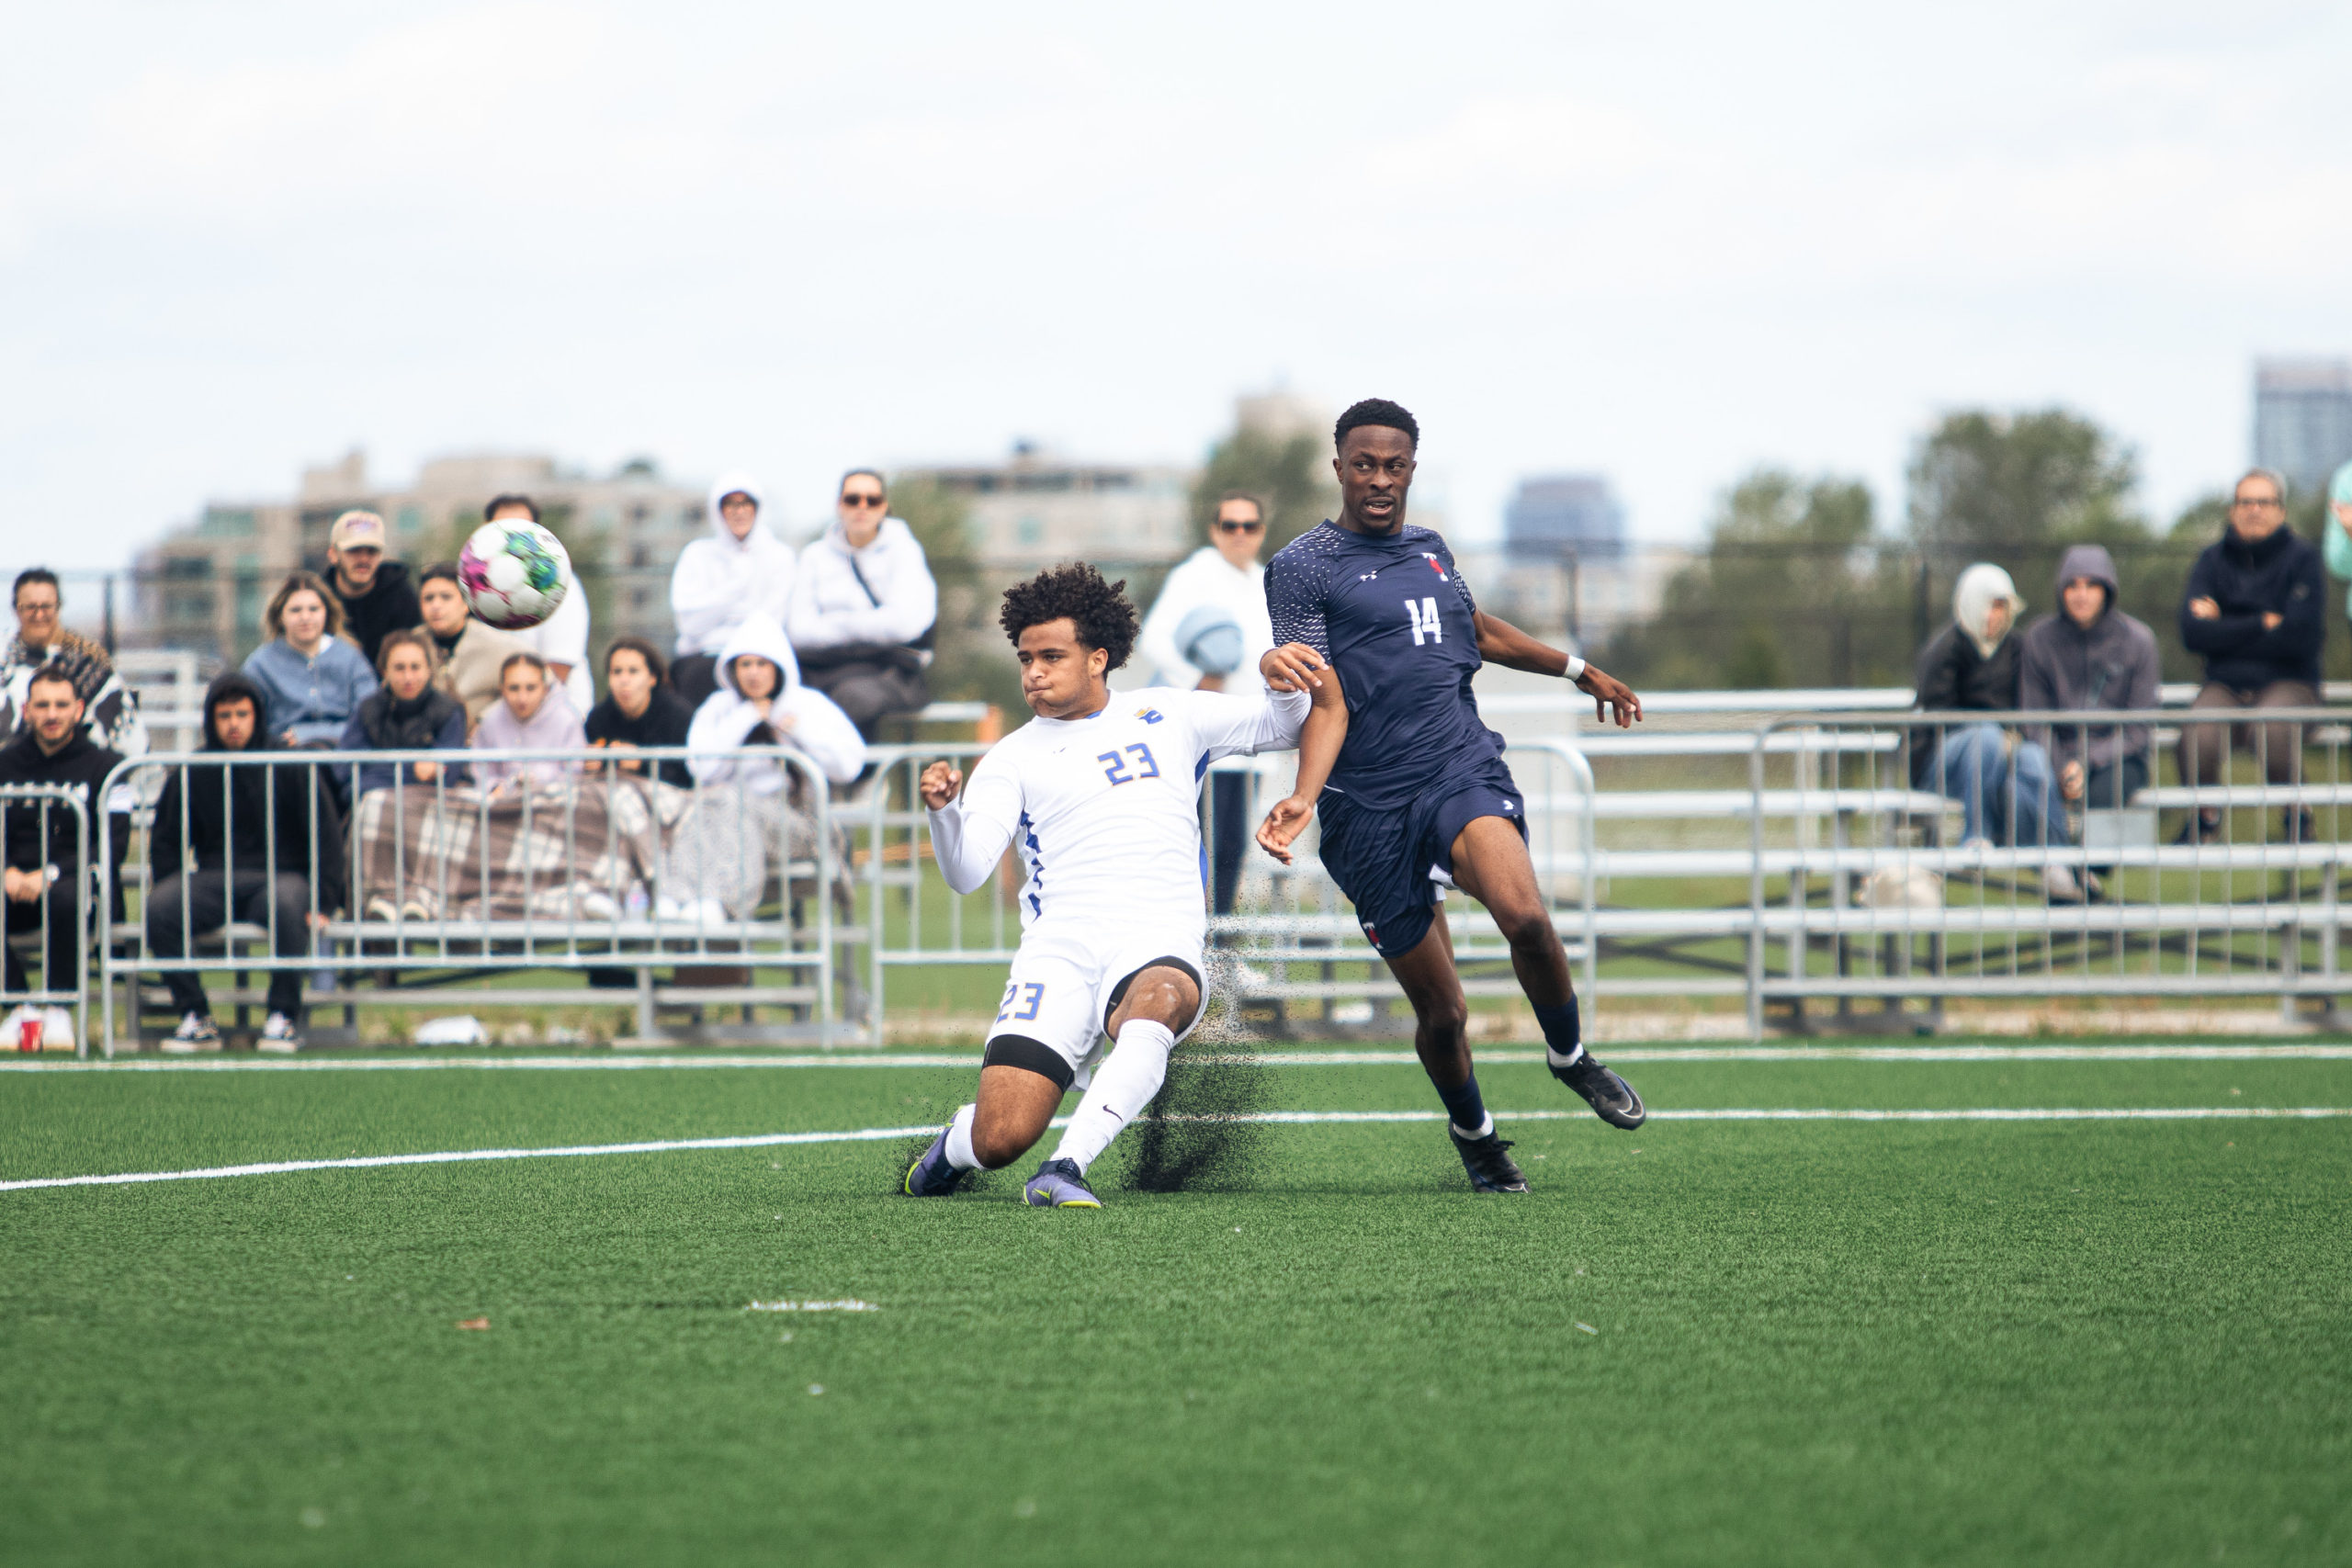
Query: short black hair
x=1099 y=610
x=55 y=674
x=442 y=568
x=1379 y=411
x=35 y=574
x=525 y=502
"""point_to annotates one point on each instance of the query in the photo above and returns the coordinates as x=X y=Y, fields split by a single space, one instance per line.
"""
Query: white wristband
x=1576 y=668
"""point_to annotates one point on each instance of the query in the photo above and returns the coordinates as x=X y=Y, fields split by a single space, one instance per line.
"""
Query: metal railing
x=592 y=864
x=1848 y=866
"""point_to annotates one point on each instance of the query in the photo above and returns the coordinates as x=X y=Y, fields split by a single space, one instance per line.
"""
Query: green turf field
x=1951 y=1341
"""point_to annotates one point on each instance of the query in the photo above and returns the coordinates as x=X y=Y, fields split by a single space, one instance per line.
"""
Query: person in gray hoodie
x=2090 y=656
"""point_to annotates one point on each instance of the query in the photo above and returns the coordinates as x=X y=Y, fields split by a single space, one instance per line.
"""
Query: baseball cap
x=364 y=529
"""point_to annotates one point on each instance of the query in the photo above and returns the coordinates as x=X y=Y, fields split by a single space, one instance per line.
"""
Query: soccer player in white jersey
x=1099 y=792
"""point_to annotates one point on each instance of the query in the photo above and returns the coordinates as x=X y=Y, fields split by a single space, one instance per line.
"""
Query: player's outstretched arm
x=1501 y=643
x=1319 y=749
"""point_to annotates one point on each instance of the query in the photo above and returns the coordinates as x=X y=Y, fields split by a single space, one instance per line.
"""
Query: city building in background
x=1563 y=515
x=2303 y=419
x=203 y=587
x=1038 y=508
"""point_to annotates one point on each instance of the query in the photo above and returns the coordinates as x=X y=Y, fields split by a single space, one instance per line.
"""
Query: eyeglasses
x=849 y=499
x=1226 y=525
x=38 y=608
x=2259 y=503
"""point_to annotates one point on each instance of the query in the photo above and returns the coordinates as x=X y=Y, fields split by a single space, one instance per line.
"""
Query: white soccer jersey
x=1103 y=808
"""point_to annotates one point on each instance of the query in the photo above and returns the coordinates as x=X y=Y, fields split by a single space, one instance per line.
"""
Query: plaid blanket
x=578 y=848
x=563 y=850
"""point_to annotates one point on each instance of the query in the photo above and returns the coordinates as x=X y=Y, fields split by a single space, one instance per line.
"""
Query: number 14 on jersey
x=1426 y=625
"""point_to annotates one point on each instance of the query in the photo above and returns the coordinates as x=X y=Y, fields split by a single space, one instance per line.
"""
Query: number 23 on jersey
x=1118 y=763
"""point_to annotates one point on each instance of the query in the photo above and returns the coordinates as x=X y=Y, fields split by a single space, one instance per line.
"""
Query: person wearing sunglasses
x=1206 y=632
x=864 y=605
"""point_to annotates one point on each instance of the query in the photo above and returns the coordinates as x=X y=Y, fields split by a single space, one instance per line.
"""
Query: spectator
x=719 y=859
x=1210 y=626
x=235 y=843
x=740 y=570
x=532 y=714
x=863 y=608
x=45 y=871
x=2337 y=529
x=2253 y=610
x=2089 y=656
x=109 y=709
x=760 y=701
x=470 y=653
x=407 y=713
x=640 y=709
x=562 y=638
x=1972 y=666
x=374 y=593
x=311 y=680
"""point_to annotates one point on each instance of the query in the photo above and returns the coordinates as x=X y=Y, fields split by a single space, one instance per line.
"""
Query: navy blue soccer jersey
x=1395 y=618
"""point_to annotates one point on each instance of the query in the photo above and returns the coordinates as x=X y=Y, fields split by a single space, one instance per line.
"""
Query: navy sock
x=1561 y=1033
x=1463 y=1104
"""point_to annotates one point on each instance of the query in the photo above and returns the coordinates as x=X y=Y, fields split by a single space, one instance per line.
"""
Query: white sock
x=1123 y=1086
x=1486 y=1127
x=1570 y=1060
x=959 y=1140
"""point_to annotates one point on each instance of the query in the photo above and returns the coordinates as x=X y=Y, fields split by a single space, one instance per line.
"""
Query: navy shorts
x=1394 y=864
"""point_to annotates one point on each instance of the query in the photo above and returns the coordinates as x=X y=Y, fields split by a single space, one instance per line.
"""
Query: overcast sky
x=1665 y=243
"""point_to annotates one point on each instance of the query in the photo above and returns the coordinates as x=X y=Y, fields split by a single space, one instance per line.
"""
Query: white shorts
x=1066 y=982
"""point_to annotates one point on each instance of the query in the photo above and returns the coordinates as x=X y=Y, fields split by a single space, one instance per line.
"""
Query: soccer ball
x=513 y=574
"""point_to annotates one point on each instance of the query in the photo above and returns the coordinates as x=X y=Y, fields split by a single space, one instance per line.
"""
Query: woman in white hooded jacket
x=771 y=707
x=747 y=810
x=741 y=570
x=863 y=605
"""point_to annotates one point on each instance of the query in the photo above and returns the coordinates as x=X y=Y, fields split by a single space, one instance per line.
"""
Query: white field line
x=1286 y=1118
x=597 y=1064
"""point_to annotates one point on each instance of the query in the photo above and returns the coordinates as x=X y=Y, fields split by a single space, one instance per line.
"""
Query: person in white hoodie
x=1206 y=632
x=721 y=581
x=740 y=802
x=862 y=607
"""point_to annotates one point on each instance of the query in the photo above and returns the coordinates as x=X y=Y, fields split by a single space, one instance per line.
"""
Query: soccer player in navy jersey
x=1413 y=793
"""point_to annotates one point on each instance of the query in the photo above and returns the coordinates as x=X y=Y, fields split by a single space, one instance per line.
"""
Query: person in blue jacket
x=311 y=678
x=2254 y=610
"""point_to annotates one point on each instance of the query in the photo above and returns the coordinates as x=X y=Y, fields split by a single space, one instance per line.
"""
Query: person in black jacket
x=2256 y=609
x=376 y=594
x=640 y=709
x=260 y=844
x=2001 y=779
x=44 y=869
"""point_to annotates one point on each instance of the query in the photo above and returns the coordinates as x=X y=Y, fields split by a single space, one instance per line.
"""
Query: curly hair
x=1099 y=610
x=1379 y=411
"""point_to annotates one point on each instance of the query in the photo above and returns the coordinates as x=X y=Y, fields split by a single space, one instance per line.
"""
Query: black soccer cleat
x=1611 y=1097
x=1491 y=1169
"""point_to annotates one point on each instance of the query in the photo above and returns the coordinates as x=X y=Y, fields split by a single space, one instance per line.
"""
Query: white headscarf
x=1980 y=588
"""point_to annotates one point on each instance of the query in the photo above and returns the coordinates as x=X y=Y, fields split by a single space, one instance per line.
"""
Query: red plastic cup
x=27 y=1035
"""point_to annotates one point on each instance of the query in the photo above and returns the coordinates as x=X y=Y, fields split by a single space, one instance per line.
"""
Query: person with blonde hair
x=311 y=680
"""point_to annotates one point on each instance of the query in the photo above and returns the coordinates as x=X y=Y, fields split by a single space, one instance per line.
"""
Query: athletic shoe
x=279 y=1037
x=2202 y=826
x=1611 y=1097
x=2058 y=885
x=382 y=909
x=1491 y=1169
x=1059 y=1184
x=195 y=1033
x=931 y=1176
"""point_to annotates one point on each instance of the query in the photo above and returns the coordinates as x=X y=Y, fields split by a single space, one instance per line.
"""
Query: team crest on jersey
x=1150 y=716
x=1436 y=565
